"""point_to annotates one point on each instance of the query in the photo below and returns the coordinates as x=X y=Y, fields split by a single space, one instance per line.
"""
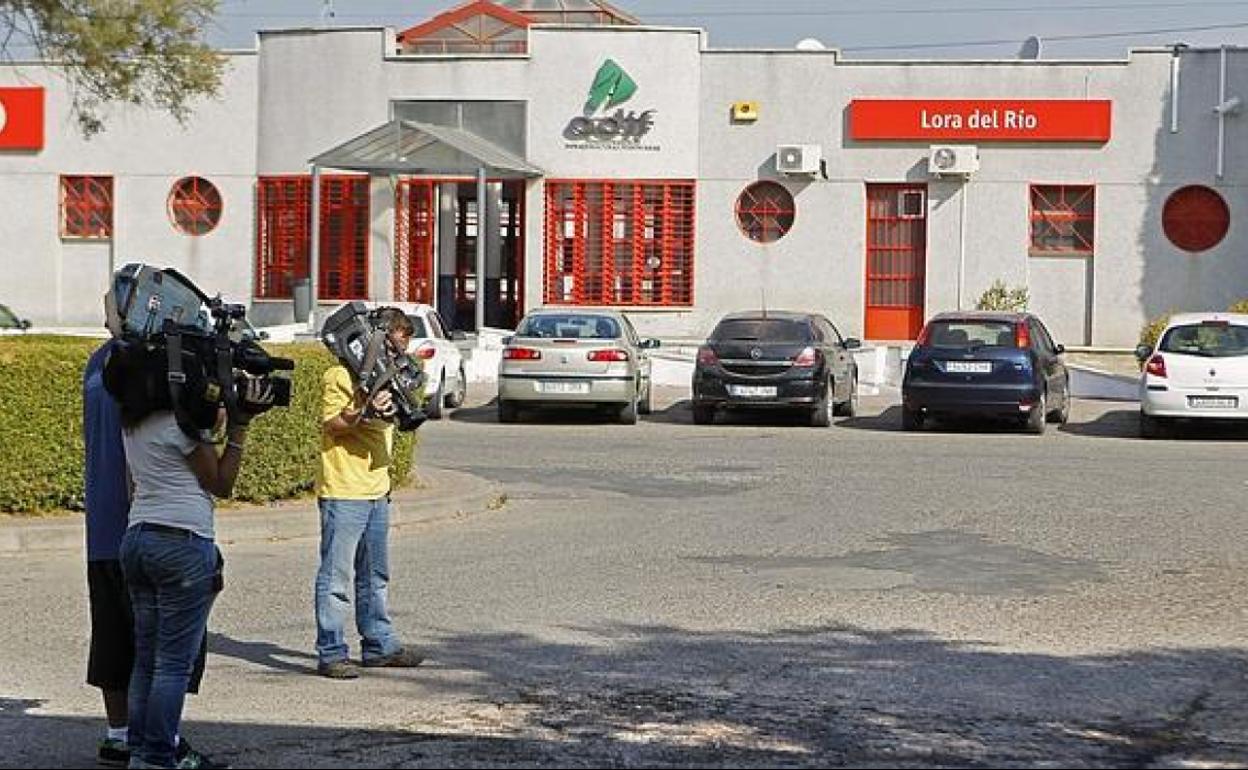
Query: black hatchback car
x=773 y=359
x=986 y=363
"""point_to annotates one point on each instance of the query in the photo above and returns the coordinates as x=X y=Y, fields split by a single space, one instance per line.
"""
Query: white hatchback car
x=1199 y=370
x=436 y=348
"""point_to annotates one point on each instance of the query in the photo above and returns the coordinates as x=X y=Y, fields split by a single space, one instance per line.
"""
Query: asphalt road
x=750 y=594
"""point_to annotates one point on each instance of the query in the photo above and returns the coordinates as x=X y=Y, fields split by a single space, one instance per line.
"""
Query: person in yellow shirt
x=353 y=495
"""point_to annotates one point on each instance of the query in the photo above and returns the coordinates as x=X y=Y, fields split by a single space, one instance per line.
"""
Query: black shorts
x=112 y=631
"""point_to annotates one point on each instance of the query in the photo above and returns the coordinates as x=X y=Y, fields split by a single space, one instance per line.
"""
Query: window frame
x=626 y=243
x=88 y=210
x=1060 y=211
x=769 y=219
x=198 y=207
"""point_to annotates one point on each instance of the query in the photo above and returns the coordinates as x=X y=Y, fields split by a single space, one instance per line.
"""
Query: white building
x=640 y=168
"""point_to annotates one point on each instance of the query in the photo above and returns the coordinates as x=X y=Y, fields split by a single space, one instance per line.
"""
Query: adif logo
x=4 y=116
x=611 y=87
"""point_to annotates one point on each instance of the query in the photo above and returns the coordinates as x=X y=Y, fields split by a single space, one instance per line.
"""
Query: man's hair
x=394 y=320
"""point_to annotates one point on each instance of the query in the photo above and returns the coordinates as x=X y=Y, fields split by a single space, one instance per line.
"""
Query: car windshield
x=418 y=326
x=585 y=327
x=1209 y=339
x=970 y=334
x=7 y=319
x=761 y=330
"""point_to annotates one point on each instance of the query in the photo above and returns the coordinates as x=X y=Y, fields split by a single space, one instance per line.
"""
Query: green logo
x=612 y=86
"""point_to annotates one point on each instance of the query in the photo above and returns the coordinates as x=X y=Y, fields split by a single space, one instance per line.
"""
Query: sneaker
x=113 y=753
x=404 y=657
x=338 y=669
x=190 y=758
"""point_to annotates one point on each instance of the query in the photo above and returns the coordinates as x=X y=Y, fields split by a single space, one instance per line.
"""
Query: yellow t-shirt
x=355 y=465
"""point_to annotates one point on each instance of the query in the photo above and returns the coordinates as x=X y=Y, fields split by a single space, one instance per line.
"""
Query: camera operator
x=169 y=557
x=353 y=495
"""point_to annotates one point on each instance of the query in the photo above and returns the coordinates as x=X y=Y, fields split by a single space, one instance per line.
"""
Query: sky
x=859 y=28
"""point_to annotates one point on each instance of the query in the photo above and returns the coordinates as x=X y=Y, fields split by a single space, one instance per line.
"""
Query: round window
x=765 y=211
x=1195 y=218
x=194 y=205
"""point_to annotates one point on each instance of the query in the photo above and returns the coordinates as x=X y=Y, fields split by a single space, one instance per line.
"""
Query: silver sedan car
x=566 y=356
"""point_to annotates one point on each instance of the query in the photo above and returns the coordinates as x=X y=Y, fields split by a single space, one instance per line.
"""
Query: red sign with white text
x=21 y=118
x=981 y=120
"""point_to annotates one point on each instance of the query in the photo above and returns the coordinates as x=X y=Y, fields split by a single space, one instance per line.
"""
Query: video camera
x=182 y=351
x=357 y=337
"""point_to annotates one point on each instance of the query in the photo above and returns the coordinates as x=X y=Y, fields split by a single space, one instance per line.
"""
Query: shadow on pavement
x=827 y=696
x=1125 y=423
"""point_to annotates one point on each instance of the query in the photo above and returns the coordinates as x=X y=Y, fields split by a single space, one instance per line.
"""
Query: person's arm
x=348 y=418
x=217 y=473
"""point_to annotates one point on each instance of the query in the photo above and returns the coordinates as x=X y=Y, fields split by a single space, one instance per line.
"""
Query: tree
x=149 y=53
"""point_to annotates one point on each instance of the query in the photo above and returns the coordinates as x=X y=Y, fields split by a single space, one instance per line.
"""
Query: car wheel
x=703 y=414
x=647 y=403
x=911 y=419
x=508 y=411
x=849 y=407
x=821 y=417
x=433 y=408
x=1061 y=416
x=455 y=399
x=628 y=412
x=1036 y=418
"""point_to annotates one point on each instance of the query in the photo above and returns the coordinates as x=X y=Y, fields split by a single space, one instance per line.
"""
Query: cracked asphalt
x=753 y=594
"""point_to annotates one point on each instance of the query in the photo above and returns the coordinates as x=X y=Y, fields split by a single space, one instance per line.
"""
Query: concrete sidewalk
x=437 y=495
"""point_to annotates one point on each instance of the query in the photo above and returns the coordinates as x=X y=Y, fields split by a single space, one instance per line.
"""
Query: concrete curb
x=443 y=495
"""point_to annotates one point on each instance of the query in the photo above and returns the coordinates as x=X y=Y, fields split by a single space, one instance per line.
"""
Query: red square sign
x=21 y=118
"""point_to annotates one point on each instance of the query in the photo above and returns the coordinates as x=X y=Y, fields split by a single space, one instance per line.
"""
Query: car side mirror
x=852 y=343
x=1060 y=349
x=1143 y=351
x=650 y=344
x=459 y=336
x=24 y=324
x=505 y=340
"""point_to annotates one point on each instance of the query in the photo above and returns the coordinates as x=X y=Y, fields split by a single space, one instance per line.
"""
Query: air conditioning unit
x=798 y=158
x=953 y=160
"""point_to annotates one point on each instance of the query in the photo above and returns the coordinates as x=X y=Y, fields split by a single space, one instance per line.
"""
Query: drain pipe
x=1226 y=106
x=962 y=239
x=1175 y=51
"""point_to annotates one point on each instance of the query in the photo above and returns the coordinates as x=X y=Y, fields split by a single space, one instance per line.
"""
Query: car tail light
x=808 y=357
x=925 y=336
x=612 y=354
x=1156 y=366
x=707 y=357
x=426 y=352
x=521 y=354
x=1022 y=336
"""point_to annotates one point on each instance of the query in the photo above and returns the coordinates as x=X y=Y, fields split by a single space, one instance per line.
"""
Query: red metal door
x=344 y=238
x=896 y=260
x=414 y=221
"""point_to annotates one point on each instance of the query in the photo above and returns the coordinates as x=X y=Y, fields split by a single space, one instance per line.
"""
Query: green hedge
x=41 y=454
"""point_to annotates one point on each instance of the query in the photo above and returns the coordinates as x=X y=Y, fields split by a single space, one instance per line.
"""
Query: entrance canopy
x=408 y=147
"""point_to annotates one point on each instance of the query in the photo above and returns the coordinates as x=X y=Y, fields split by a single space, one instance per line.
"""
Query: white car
x=1199 y=370
x=446 y=386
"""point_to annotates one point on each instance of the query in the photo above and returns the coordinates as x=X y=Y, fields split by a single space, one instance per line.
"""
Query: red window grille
x=765 y=211
x=283 y=237
x=344 y=238
x=194 y=205
x=1062 y=220
x=283 y=240
x=1195 y=218
x=86 y=207
x=624 y=243
x=414 y=220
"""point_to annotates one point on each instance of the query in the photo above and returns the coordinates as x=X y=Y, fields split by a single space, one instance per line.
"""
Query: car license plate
x=968 y=367
x=752 y=391
x=1213 y=402
x=566 y=388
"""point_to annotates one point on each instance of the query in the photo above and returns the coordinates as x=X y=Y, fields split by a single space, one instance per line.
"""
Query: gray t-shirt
x=165 y=488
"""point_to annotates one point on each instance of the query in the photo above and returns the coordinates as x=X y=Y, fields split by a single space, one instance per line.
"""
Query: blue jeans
x=171 y=579
x=354 y=535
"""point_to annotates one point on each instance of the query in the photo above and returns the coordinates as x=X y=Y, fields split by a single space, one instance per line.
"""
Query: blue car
x=986 y=364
